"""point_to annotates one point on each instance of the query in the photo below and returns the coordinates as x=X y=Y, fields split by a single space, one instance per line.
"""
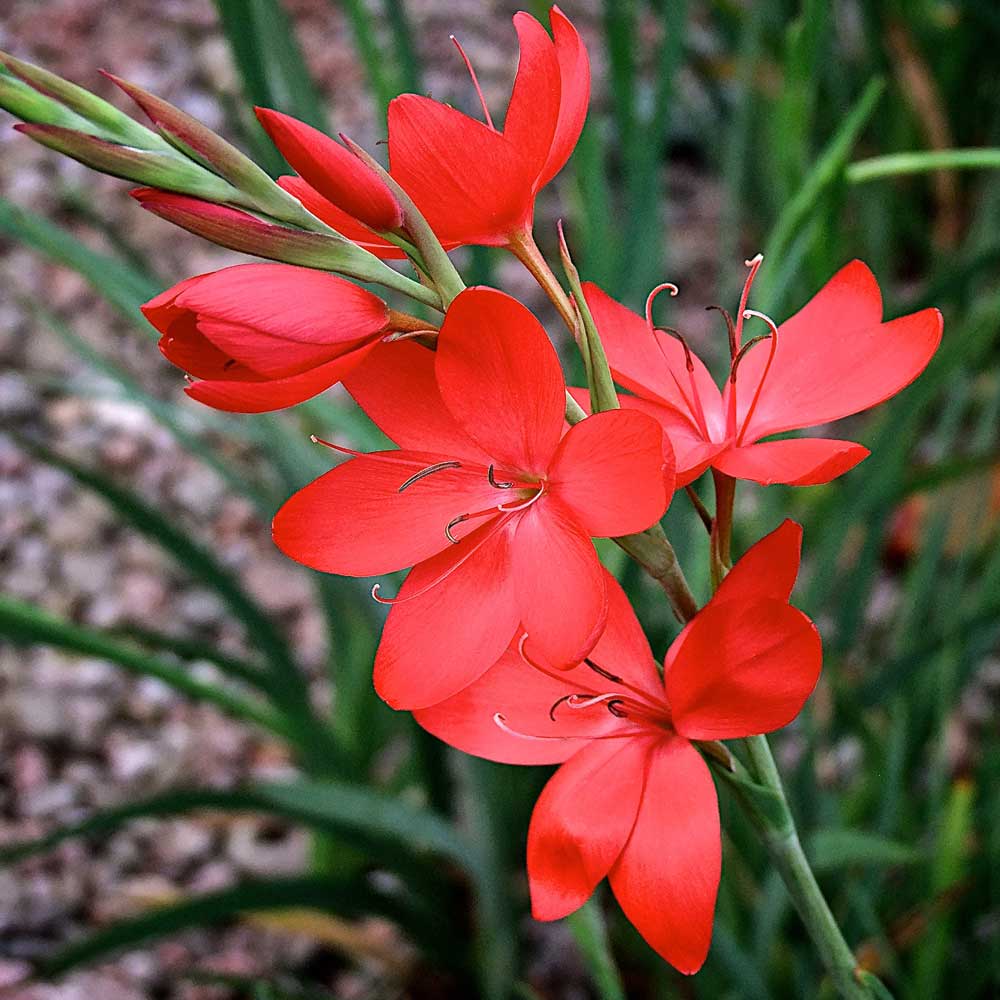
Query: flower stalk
x=778 y=832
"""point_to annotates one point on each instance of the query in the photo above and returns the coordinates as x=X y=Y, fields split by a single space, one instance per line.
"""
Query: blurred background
x=200 y=796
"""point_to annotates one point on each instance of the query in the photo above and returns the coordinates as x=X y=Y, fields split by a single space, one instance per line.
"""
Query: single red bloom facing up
x=487 y=498
x=265 y=336
x=473 y=183
x=634 y=800
x=836 y=356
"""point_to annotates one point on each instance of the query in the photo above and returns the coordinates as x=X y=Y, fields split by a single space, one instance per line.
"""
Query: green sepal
x=197 y=142
x=166 y=171
x=238 y=230
x=29 y=105
x=110 y=121
x=602 y=386
x=433 y=259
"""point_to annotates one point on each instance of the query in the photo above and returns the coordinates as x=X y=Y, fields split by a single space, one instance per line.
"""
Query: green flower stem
x=525 y=249
x=652 y=550
x=777 y=829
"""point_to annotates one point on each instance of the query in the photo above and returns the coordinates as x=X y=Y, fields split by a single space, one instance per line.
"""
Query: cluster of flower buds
x=508 y=638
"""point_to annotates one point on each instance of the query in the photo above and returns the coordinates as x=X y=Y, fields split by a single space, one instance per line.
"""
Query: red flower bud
x=338 y=175
x=265 y=336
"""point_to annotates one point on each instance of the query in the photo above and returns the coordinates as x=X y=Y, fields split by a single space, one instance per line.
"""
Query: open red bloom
x=634 y=800
x=834 y=357
x=265 y=336
x=486 y=498
x=473 y=183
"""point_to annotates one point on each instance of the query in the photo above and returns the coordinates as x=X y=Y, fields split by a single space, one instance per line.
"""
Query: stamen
x=468 y=517
x=688 y=359
x=394 y=338
x=490 y=475
x=556 y=675
x=500 y=720
x=429 y=471
x=743 y=352
x=229 y=364
x=475 y=82
x=614 y=678
x=526 y=504
x=560 y=701
x=748 y=313
x=612 y=701
x=473 y=549
x=693 y=403
x=754 y=265
x=730 y=329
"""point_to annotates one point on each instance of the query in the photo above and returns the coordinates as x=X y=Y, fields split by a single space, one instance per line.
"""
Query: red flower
x=634 y=800
x=473 y=183
x=483 y=463
x=834 y=357
x=265 y=336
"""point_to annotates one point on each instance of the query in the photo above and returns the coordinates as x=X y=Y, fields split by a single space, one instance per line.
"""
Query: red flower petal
x=835 y=357
x=354 y=521
x=533 y=111
x=397 y=390
x=667 y=876
x=622 y=649
x=337 y=174
x=471 y=184
x=741 y=669
x=582 y=821
x=654 y=372
x=767 y=569
x=262 y=354
x=561 y=590
x=795 y=461
x=339 y=220
x=499 y=376
x=185 y=346
x=574 y=73
x=611 y=471
x=275 y=394
x=438 y=643
x=523 y=696
x=692 y=453
x=296 y=303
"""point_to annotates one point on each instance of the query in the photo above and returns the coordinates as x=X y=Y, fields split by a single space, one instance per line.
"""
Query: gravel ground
x=77 y=734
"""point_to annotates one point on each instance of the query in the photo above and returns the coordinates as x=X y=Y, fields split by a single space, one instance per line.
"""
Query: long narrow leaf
x=828 y=167
x=24 y=623
x=591 y=934
x=124 y=287
x=333 y=807
x=353 y=898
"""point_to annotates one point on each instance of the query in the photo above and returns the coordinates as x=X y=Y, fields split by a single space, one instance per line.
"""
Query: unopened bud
x=237 y=230
x=109 y=121
x=166 y=170
x=198 y=142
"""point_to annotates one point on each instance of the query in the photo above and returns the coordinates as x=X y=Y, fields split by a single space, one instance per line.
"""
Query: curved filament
x=473 y=549
x=763 y=375
x=429 y=471
x=475 y=81
x=500 y=721
x=693 y=402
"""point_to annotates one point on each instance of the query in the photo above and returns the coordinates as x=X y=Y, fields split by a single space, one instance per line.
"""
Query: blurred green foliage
x=786 y=111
